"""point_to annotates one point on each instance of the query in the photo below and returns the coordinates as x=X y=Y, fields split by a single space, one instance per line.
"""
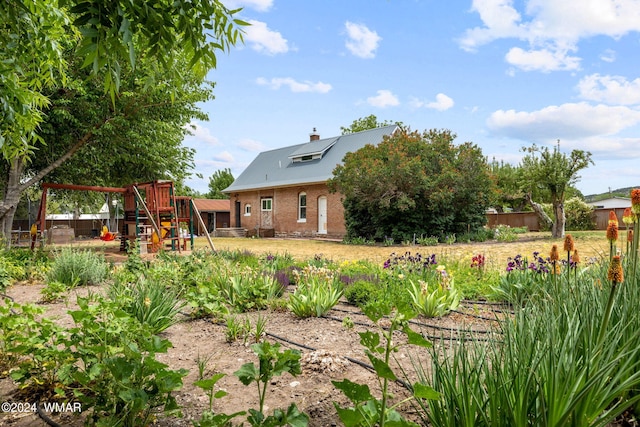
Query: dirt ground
x=330 y=351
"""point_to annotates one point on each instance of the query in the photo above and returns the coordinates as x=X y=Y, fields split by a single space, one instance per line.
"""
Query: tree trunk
x=11 y=199
x=537 y=208
x=557 y=230
x=15 y=187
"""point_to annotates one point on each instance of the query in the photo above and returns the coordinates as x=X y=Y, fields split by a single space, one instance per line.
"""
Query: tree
x=366 y=123
x=220 y=180
x=414 y=183
x=553 y=172
x=113 y=42
x=508 y=195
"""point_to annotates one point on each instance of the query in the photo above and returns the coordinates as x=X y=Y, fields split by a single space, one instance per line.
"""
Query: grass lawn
x=590 y=244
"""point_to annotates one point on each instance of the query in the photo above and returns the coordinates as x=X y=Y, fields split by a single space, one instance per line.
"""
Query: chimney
x=314 y=136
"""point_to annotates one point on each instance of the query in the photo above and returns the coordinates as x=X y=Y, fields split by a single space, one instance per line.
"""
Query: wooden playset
x=153 y=215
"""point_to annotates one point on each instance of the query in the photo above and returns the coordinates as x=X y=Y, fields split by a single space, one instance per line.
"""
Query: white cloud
x=362 y=42
x=265 y=40
x=259 y=5
x=550 y=28
x=567 y=121
x=294 y=86
x=251 y=145
x=385 y=98
x=442 y=103
x=610 y=89
x=608 y=55
x=202 y=134
x=224 y=156
x=544 y=60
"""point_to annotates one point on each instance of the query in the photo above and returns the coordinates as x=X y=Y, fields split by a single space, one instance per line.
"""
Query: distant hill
x=620 y=192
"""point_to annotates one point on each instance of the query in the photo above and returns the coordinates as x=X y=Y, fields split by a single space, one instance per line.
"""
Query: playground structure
x=153 y=215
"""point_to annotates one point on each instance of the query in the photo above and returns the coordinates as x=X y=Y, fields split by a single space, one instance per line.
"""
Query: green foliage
x=236 y=328
x=106 y=361
x=555 y=173
x=53 y=291
x=317 y=292
x=152 y=303
x=579 y=215
x=210 y=418
x=573 y=337
x=220 y=180
x=433 y=300
x=427 y=241
x=509 y=194
x=361 y=292
x=504 y=233
x=75 y=267
x=366 y=123
x=272 y=362
x=367 y=410
x=402 y=187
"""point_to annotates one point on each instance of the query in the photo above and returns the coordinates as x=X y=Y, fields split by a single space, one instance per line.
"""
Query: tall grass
x=78 y=267
x=548 y=366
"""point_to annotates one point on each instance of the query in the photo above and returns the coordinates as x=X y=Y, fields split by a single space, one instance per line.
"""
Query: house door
x=322 y=215
x=238 y=207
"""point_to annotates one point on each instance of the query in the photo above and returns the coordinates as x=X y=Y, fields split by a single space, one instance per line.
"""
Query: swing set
x=153 y=215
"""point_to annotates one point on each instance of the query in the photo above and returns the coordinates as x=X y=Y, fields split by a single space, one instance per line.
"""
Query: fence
x=530 y=219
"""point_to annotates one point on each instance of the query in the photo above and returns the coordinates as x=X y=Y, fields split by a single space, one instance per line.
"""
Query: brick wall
x=283 y=218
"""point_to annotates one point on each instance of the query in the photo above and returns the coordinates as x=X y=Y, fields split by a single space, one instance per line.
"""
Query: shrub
x=504 y=233
x=361 y=292
x=78 y=268
x=579 y=215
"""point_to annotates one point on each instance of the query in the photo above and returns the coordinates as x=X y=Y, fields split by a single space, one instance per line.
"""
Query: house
x=214 y=212
x=611 y=203
x=284 y=192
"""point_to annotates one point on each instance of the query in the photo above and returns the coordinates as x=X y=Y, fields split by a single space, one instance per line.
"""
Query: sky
x=501 y=74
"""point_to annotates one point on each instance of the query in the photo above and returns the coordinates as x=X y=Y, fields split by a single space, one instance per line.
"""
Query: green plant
x=106 y=362
x=505 y=234
x=153 y=304
x=314 y=297
x=433 y=301
x=206 y=301
x=361 y=292
x=248 y=289
x=236 y=329
x=272 y=362
x=210 y=418
x=348 y=323
x=367 y=410
x=260 y=328
x=427 y=241
x=450 y=239
x=54 y=291
x=203 y=363
x=78 y=267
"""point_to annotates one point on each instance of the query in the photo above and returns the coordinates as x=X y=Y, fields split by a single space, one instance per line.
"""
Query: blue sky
x=499 y=73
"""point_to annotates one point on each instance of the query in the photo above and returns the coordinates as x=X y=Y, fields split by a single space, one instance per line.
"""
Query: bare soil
x=330 y=351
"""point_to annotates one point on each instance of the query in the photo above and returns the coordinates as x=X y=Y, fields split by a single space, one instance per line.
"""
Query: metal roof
x=276 y=168
x=213 y=205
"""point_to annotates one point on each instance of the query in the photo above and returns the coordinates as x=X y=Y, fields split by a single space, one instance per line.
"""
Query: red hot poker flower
x=612 y=231
x=635 y=201
x=615 y=273
x=613 y=218
x=569 y=244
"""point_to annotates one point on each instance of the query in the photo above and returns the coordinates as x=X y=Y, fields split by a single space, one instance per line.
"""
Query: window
x=247 y=209
x=302 y=207
x=267 y=204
